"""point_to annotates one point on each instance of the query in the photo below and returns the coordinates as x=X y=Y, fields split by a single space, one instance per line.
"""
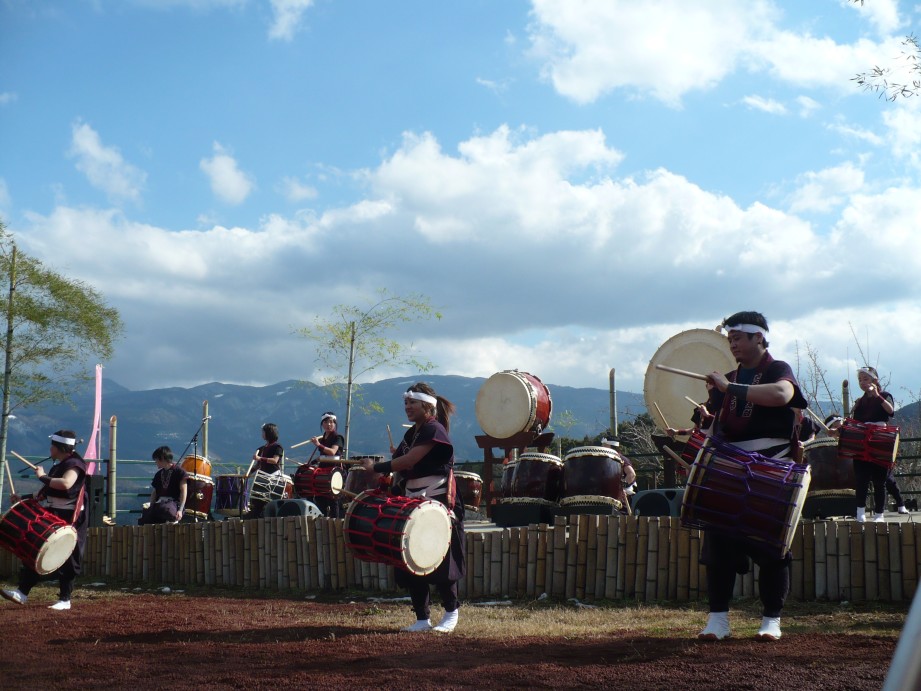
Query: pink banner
x=92 y=450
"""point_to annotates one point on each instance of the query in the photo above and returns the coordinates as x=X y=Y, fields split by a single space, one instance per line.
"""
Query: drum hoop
x=819 y=443
x=589 y=499
x=592 y=451
x=467 y=474
x=195 y=477
x=535 y=456
x=529 y=391
x=527 y=500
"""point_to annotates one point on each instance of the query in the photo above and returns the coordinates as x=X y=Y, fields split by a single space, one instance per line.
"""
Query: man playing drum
x=62 y=486
x=754 y=411
x=170 y=489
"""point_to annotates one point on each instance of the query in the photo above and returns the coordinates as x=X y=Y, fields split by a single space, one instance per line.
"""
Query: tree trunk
x=7 y=373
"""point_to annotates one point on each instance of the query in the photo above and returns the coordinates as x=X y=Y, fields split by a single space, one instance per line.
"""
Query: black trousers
x=865 y=473
x=893 y=488
x=725 y=557
x=69 y=570
x=421 y=595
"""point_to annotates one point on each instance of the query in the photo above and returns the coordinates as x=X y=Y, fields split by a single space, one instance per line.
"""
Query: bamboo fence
x=588 y=557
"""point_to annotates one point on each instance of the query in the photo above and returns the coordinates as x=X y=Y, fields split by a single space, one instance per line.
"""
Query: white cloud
x=8 y=97
x=903 y=122
x=823 y=190
x=5 y=199
x=807 y=106
x=883 y=15
x=228 y=182
x=767 y=105
x=104 y=166
x=851 y=131
x=288 y=15
x=296 y=191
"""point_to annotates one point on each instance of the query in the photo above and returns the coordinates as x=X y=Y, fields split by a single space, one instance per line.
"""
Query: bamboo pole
x=683 y=593
x=858 y=568
x=870 y=561
x=532 y=567
x=818 y=550
x=909 y=562
x=571 y=552
x=844 y=562
x=895 y=563
x=673 y=530
x=831 y=560
x=882 y=561
x=591 y=554
x=478 y=566
x=601 y=550
x=558 y=586
x=647 y=581
x=808 y=528
x=540 y=578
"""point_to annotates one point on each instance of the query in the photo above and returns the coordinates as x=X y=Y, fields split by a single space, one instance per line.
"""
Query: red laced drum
x=592 y=471
x=692 y=446
x=411 y=534
x=268 y=487
x=470 y=488
x=196 y=465
x=831 y=474
x=868 y=442
x=322 y=481
x=200 y=494
x=510 y=402
x=230 y=494
x=746 y=495
x=39 y=538
x=537 y=476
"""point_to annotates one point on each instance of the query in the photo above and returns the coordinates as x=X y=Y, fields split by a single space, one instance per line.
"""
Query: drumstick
x=9 y=476
x=389 y=436
x=676 y=457
x=301 y=443
x=818 y=419
x=33 y=467
x=692 y=401
x=683 y=373
x=661 y=415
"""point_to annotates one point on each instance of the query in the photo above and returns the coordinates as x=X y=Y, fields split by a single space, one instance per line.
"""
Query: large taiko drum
x=868 y=442
x=746 y=495
x=470 y=488
x=230 y=494
x=200 y=494
x=537 y=476
x=831 y=474
x=39 y=538
x=268 y=487
x=510 y=402
x=508 y=472
x=592 y=471
x=411 y=534
x=196 y=465
x=319 y=481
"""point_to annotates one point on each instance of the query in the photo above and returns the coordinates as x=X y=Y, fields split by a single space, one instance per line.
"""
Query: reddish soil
x=150 y=641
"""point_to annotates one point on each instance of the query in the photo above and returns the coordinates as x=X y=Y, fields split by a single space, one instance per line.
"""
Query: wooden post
x=831 y=560
x=882 y=561
x=871 y=562
x=895 y=562
x=909 y=562
x=808 y=560
x=651 y=553
x=818 y=550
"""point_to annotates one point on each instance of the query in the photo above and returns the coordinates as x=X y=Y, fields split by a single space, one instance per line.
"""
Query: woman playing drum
x=329 y=444
x=268 y=459
x=425 y=462
x=62 y=486
x=170 y=489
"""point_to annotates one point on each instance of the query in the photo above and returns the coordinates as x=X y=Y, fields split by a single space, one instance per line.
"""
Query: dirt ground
x=175 y=641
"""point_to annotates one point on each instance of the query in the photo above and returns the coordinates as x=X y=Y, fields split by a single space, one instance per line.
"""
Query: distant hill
x=148 y=419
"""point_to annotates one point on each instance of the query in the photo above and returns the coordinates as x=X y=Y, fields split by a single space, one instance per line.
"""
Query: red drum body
x=746 y=495
x=41 y=540
x=196 y=465
x=510 y=402
x=867 y=442
x=508 y=472
x=411 y=534
x=831 y=473
x=592 y=471
x=470 y=488
x=537 y=476
x=268 y=487
x=230 y=494
x=200 y=494
x=323 y=481
x=694 y=444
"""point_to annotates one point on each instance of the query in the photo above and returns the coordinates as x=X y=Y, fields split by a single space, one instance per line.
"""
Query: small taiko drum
x=319 y=481
x=200 y=494
x=230 y=494
x=196 y=465
x=868 y=442
x=410 y=534
x=831 y=474
x=470 y=488
x=692 y=446
x=359 y=480
x=39 y=538
x=508 y=472
x=268 y=487
x=592 y=470
x=538 y=476
x=510 y=402
x=746 y=495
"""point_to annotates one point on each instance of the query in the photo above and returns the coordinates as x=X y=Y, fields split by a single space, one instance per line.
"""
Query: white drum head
x=56 y=550
x=506 y=404
x=697 y=350
x=426 y=538
x=336 y=482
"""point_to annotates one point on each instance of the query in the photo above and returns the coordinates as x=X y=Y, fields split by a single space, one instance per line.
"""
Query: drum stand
x=518 y=442
x=193 y=444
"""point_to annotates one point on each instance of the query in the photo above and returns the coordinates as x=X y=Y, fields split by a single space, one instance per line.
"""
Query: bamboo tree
x=356 y=341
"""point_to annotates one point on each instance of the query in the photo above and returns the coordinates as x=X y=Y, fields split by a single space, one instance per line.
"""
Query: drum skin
x=747 y=496
x=592 y=470
x=537 y=476
x=196 y=465
x=830 y=472
x=510 y=402
x=470 y=488
x=359 y=480
x=200 y=494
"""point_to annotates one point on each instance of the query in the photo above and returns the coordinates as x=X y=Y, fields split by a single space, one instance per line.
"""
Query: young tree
x=53 y=324
x=900 y=80
x=354 y=341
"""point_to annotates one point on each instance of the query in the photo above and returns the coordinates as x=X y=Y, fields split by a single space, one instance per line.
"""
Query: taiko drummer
x=62 y=486
x=425 y=462
x=169 y=490
x=330 y=444
x=754 y=411
x=267 y=459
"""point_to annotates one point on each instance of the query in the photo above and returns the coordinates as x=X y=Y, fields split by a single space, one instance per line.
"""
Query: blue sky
x=570 y=183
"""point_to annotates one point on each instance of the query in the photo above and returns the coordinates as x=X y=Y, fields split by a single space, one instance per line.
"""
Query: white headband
x=419 y=396
x=748 y=329
x=328 y=416
x=63 y=440
x=867 y=371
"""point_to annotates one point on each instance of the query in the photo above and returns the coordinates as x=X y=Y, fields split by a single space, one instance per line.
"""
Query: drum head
x=506 y=404
x=697 y=350
x=426 y=538
x=336 y=481
x=56 y=550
